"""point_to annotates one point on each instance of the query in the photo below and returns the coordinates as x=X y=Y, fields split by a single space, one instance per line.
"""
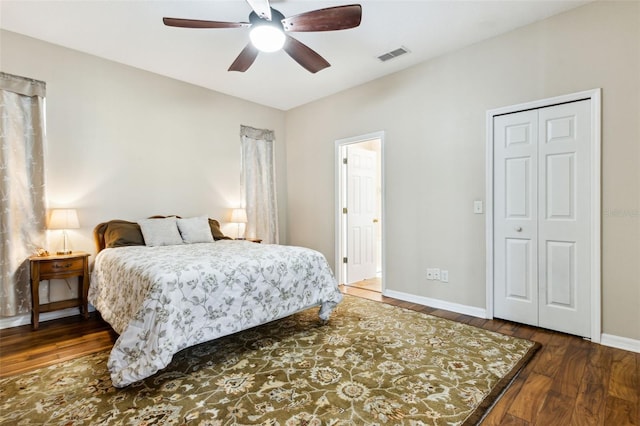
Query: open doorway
x=359 y=213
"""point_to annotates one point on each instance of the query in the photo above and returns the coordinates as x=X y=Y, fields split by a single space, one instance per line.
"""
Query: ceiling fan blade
x=196 y=23
x=329 y=19
x=244 y=59
x=261 y=8
x=304 y=55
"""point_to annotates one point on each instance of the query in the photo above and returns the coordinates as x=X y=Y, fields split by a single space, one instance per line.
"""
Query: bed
x=163 y=298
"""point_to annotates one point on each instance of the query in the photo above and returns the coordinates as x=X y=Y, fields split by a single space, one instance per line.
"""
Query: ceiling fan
x=269 y=30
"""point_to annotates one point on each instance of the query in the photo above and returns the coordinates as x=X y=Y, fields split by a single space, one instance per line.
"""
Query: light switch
x=477 y=206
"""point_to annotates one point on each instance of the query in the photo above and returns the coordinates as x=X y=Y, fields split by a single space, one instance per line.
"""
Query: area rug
x=372 y=364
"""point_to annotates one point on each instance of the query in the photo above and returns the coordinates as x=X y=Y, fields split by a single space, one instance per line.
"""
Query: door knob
x=518 y=229
x=375 y=220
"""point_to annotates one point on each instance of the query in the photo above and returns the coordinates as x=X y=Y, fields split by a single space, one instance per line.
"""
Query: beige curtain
x=22 y=196
x=259 y=184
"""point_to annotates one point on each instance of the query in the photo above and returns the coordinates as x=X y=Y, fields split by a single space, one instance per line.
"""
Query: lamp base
x=65 y=250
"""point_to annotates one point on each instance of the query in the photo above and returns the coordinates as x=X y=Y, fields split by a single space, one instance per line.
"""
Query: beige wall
x=125 y=143
x=434 y=118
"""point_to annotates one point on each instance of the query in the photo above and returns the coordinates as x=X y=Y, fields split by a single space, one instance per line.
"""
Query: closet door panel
x=564 y=217
x=515 y=217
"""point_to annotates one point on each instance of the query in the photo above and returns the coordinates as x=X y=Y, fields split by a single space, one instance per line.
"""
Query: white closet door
x=542 y=217
x=564 y=217
x=516 y=217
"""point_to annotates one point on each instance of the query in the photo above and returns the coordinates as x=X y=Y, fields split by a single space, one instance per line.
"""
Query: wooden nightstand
x=71 y=265
x=252 y=240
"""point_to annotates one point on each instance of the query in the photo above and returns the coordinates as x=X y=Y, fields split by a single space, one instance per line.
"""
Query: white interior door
x=361 y=214
x=542 y=217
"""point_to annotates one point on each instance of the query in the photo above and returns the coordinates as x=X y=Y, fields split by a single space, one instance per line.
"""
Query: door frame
x=595 y=95
x=340 y=144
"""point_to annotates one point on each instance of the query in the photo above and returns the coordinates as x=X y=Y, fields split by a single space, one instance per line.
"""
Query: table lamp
x=239 y=216
x=64 y=219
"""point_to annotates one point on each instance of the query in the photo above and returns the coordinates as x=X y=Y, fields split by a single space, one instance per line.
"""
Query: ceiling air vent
x=393 y=54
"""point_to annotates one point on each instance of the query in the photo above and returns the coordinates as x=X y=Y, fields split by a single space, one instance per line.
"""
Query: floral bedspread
x=164 y=299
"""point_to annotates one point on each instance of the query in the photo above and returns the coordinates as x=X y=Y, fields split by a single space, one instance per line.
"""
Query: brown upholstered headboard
x=98 y=235
x=132 y=229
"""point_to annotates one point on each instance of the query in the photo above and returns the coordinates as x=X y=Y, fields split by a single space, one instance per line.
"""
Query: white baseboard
x=611 y=340
x=19 y=320
x=438 y=304
x=620 y=342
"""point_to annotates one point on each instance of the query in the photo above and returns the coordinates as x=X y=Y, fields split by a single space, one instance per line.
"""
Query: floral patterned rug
x=372 y=364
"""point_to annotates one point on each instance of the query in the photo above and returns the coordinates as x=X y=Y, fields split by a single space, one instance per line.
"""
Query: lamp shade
x=63 y=219
x=238 y=216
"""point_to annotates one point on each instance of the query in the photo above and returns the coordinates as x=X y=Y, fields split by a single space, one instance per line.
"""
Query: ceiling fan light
x=267 y=38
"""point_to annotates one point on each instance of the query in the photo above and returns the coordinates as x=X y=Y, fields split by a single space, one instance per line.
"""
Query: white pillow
x=160 y=232
x=195 y=230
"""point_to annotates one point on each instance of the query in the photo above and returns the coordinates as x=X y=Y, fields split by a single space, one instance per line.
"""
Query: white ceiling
x=131 y=32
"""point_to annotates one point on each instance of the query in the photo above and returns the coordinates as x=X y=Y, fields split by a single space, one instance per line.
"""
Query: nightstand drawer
x=61 y=266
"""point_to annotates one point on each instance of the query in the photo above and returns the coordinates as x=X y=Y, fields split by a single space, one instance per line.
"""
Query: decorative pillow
x=120 y=233
x=195 y=230
x=160 y=232
x=215 y=230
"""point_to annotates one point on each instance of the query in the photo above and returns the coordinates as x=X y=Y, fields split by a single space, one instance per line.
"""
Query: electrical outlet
x=436 y=274
x=444 y=276
x=429 y=273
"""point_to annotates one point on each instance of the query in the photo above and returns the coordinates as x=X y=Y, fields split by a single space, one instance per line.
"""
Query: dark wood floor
x=22 y=349
x=570 y=381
